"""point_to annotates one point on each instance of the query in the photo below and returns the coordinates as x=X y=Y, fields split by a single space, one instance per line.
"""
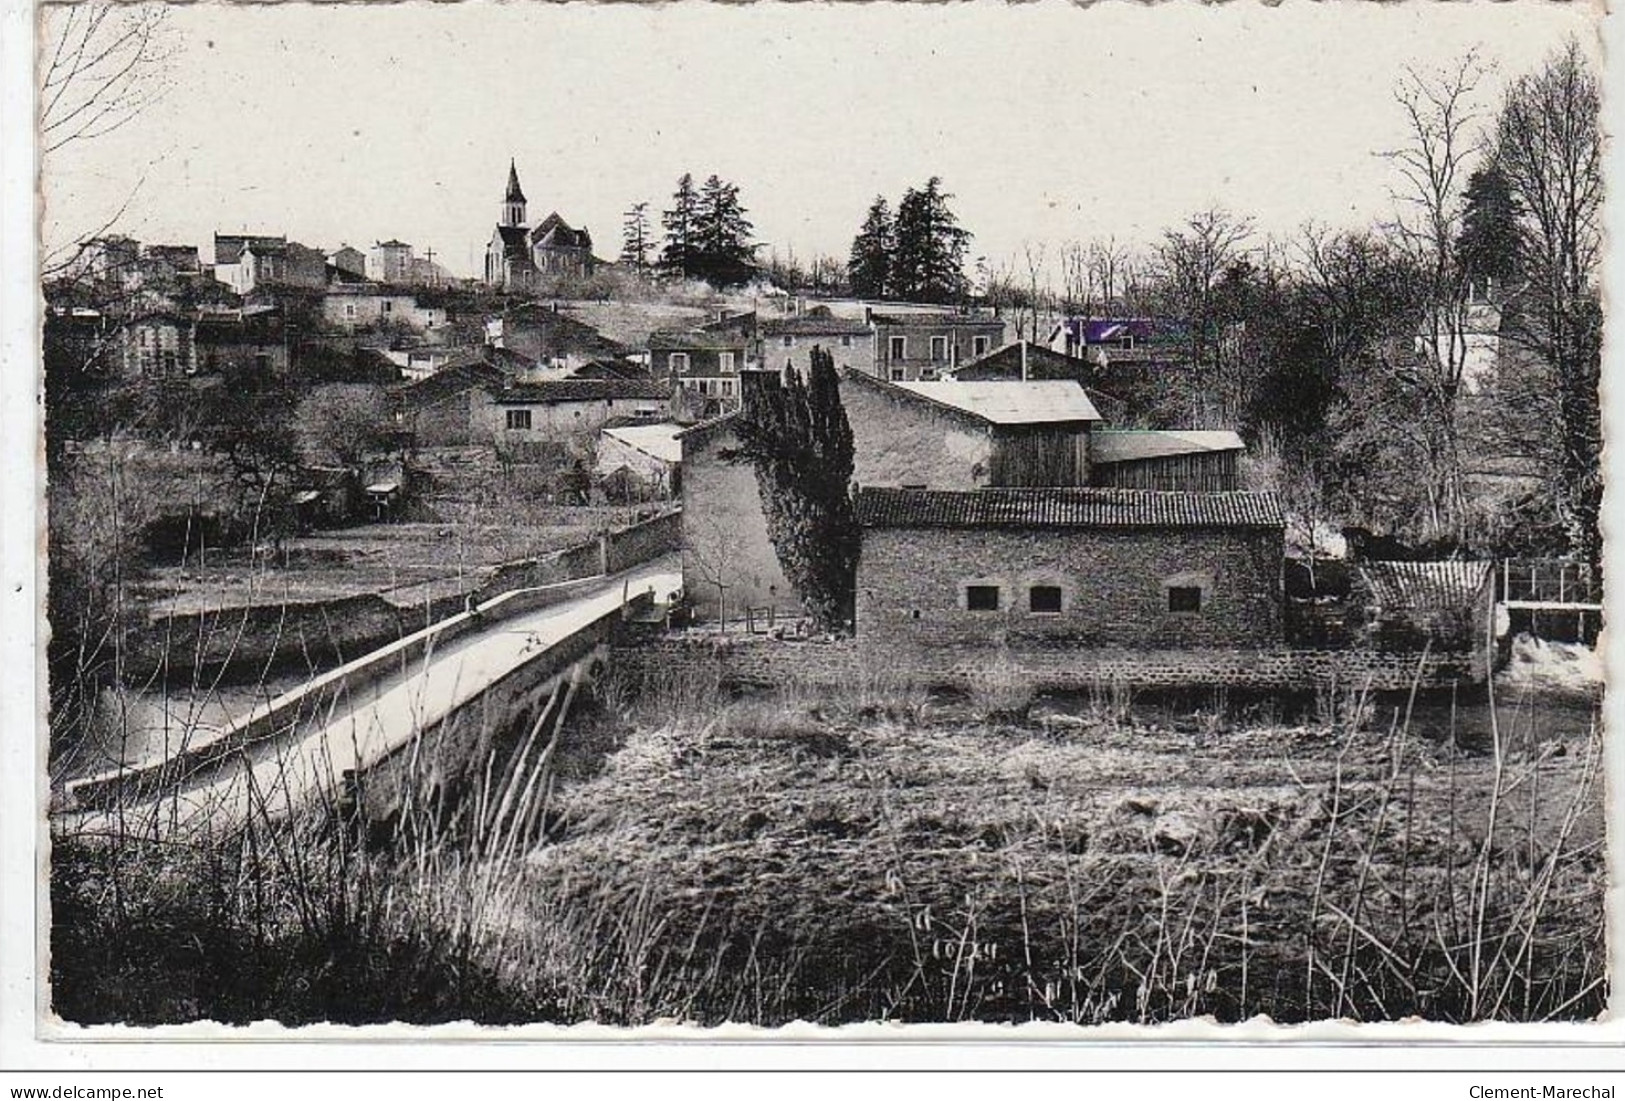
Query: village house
x=644 y=461
x=254 y=337
x=1104 y=341
x=706 y=362
x=545 y=337
x=357 y=306
x=349 y=261
x=390 y=262
x=440 y=409
x=909 y=347
x=1015 y=571
x=786 y=344
x=167 y=265
x=110 y=259
x=551 y=412
x=246 y=263
x=519 y=257
x=158 y=345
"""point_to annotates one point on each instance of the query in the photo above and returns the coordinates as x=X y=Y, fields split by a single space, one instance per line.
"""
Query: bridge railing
x=1550 y=581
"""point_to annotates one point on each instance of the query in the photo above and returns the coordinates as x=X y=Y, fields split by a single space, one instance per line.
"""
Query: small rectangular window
x=978 y=345
x=519 y=420
x=725 y=360
x=981 y=598
x=789 y=341
x=679 y=362
x=1044 y=600
x=897 y=347
x=897 y=374
x=1184 y=598
x=939 y=348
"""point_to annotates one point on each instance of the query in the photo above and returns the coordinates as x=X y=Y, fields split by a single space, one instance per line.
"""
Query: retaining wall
x=246 y=641
x=767 y=662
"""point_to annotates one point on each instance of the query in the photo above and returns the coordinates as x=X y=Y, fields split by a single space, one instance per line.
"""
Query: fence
x=1550 y=582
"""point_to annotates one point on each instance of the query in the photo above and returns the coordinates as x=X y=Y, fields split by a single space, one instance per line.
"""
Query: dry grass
x=878 y=854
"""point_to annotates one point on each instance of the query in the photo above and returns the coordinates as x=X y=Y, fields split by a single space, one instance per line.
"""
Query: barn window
x=1184 y=598
x=981 y=598
x=518 y=420
x=1044 y=600
x=978 y=345
x=846 y=342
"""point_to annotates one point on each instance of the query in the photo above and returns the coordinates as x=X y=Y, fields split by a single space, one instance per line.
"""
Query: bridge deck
x=370 y=721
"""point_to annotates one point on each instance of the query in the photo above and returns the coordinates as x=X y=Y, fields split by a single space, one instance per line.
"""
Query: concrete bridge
x=407 y=721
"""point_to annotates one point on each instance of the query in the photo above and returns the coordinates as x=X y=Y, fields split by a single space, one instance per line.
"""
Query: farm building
x=1085 y=568
x=537 y=412
x=1411 y=606
x=1201 y=461
x=966 y=435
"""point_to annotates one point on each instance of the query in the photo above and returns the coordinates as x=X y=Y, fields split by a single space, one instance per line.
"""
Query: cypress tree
x=797 y=437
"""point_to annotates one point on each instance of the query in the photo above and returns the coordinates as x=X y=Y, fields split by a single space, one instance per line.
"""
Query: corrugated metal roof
x=1064 y=508
x=1123 y=445
x=658 y=440
x=1047 y=402
x=1402 y=587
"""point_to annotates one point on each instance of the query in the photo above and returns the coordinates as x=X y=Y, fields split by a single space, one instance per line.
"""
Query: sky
x=1047 y=122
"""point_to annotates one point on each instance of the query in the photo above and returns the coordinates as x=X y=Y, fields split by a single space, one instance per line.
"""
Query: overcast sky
x=1047 y=122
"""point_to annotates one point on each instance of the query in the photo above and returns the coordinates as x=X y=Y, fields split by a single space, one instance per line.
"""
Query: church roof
x=514 y=243
x=515 y=195
x=556 y=232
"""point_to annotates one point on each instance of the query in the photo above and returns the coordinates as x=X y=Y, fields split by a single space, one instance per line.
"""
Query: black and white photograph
x=703 y=515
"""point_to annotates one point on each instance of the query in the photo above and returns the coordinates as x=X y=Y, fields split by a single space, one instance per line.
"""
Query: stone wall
x=912 y=588
x=762 y=662
x=900 y=440
x=728 y=561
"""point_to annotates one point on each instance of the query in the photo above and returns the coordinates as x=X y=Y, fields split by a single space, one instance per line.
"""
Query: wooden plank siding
x=1202 y=472
x=1040 y=455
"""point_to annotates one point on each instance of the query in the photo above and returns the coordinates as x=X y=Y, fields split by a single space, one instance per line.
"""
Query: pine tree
x=869 y=267
x=797 y=437
x=1487 y=247
x=635 y=243
x=678 y=257
x=724 y=256
x=928 y=261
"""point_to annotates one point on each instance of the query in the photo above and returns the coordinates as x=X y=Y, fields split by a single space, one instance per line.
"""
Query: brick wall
x=912 y=588
x=768 y=663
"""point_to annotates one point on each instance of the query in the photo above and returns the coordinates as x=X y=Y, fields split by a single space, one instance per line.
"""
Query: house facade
x=911 y=347
x=551 y=412
x=786 y=344
x=704 y=362
x=1018 y=570
x=268 y=261
x=545 y=337
x=350 y=261
x=158 y=346
x=390 y=262
x=442 y=409
x=248 y=339
x=355 y=306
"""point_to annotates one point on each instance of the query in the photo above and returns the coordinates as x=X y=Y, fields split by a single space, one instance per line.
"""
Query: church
x=521 y=257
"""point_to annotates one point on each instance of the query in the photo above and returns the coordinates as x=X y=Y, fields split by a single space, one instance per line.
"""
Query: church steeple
x=513 y=204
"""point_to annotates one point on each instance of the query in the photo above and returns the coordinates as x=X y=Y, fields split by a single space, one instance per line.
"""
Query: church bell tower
x=513 y=204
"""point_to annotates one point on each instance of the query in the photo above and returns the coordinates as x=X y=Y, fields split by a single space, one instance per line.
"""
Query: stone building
x=552 y=412
x=786 y=344
x=967 y=435
x=390 y=262
x=1034 y=569
x=926 y=345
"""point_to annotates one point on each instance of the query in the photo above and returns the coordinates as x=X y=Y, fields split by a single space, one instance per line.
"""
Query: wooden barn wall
x=1207 y=472
x=1045 y=456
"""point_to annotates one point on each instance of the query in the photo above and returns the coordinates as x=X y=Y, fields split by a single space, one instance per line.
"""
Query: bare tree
x=1442 y=144
x=1190 y=261
x=102 y=66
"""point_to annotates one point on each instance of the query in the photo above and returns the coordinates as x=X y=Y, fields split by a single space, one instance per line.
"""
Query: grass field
x=884 y=854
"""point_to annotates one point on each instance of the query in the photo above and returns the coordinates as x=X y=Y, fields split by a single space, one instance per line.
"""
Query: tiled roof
x=1005 y=361
x=229 y=246
x=1124 y=445
x=814 y=326
x=688 y=340
x=1064 y=508
x=581 y=389
x=1412 y=587
x=1008 y=403
x=935 y=320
